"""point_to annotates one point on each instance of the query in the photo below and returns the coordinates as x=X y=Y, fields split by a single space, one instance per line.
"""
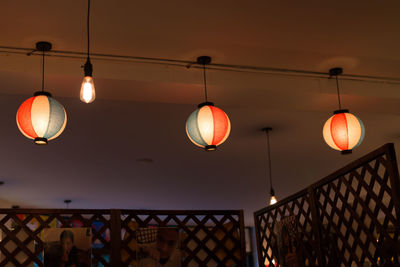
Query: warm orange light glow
x=88 y=93
x=273 y=200
x=41 y=118
x=343 y=131
x=208 y=127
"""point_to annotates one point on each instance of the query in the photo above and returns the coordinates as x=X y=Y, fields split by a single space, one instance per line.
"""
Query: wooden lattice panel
x=21 y=243
x=353 y=216
x=208 y=238
x=358 y=216
x=267 y=219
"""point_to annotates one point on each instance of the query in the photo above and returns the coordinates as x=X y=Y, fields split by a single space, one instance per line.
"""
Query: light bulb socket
x=204 y=60
x=210 y=148
x=346 y=152
x=335 y=71
x=42 y=93
x=205 y=104
x=40 y=141
x=88 y=68
x=339 y=111
x=272 y=192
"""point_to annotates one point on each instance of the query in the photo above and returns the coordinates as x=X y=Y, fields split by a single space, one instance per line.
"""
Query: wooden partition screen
x=208 y=238
x=350 y=218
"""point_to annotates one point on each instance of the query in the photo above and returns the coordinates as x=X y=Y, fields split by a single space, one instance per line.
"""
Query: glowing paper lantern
x=208 y=126
x=343 y=131
x=41 y=118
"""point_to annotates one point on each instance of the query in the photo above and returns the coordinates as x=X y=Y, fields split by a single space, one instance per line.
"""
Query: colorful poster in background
x=97 y=226
x=34 y=224
x=287 y=242
x=67 y=247
x=65 y=221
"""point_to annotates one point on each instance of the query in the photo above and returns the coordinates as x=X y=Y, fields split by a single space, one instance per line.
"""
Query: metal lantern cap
x=205 y=104
x=40 y=141
x=42 y=93
x=339 y=111
x=210 y=148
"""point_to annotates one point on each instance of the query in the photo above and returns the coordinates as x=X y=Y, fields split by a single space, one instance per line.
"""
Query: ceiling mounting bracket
x=335 y=71
x=204 y=60
x=41 y=46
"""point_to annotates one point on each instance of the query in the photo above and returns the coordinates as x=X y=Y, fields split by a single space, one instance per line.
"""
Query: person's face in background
x=67 y=244
x=166 y=242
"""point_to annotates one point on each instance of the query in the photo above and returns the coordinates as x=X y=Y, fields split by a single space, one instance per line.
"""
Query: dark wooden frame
x=327 y=207
x=209 y=221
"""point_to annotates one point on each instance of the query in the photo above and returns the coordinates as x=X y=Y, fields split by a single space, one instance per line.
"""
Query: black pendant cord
x=338 y=93
x=88 y=30
x=88 y=68
x=43 y=71
x=205 y=82
x=269 y=162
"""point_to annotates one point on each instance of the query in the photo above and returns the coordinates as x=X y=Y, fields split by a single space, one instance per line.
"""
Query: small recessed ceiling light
x=145 y=160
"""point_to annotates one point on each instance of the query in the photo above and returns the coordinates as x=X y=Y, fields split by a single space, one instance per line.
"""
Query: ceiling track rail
x=193 y=64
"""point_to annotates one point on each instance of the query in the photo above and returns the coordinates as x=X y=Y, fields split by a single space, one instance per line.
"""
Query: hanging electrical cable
x=273 y=199
x=88 y=93
x=214 y=66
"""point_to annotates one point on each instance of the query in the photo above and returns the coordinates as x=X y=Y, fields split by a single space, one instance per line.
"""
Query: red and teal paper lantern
x=208 y=126
x=343 y=131
x=41 y=118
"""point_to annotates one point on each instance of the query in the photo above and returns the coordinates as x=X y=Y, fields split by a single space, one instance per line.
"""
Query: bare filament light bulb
x=273 y=200
x=88 y=93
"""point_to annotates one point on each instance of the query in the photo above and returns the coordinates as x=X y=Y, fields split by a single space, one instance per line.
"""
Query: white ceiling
x=141 y=109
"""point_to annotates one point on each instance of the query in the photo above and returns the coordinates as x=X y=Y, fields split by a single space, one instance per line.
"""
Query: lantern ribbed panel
x=41 y=116
x=343 y=131
x=208 y=125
